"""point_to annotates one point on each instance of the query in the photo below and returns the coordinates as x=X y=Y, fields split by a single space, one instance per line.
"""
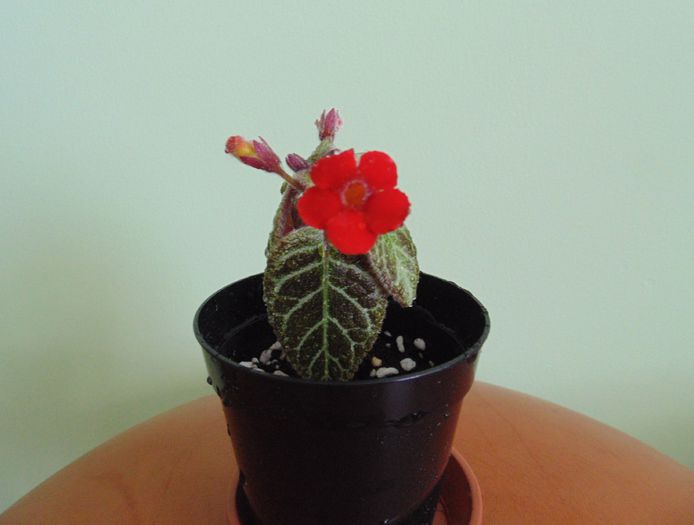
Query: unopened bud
x=296 y=162
x=257 y=154
x=328 y=124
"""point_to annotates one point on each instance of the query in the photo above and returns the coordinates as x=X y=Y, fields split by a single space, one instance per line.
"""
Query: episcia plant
x=337 y=251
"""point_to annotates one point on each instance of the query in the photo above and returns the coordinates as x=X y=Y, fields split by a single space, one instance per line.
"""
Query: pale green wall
x=547 y=146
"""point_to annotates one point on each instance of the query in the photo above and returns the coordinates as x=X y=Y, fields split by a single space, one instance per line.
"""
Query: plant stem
x=290 y=180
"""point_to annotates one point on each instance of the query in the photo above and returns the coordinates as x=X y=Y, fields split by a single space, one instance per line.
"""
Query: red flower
x=353 y=203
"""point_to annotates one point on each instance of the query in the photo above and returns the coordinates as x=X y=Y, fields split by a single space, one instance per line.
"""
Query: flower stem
x=290 y=180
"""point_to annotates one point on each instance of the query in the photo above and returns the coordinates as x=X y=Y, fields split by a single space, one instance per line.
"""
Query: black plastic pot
x=366 y=452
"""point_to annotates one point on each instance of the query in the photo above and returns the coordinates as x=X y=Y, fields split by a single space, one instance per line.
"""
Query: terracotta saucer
x=460 y=502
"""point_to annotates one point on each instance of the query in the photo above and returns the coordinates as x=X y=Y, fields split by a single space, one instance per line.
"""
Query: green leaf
x=393 y=261
x=325 y=307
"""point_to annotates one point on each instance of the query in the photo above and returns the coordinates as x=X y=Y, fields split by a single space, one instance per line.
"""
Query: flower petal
x=386 y=210
x=378 y=170
x=332 y=172
x=348 y=232
x=239 y=147
x=316 y=206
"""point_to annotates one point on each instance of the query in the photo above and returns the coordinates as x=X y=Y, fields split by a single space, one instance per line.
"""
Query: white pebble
x=276 y=346
x=372 y=373
x=387 y=371
x=376 y=362
x=255 y=360
x=256 y=369
x=279 y=373
x=400 y=344
x=408 y=364
x=431 y=363
x=387 y=333
x=420 y=344
x=248 y=364
x=266 y=356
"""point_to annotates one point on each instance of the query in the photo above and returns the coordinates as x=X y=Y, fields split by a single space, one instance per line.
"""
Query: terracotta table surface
x=537 y=463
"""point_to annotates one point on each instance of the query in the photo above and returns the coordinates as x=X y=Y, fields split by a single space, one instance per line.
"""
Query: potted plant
x=341 y=368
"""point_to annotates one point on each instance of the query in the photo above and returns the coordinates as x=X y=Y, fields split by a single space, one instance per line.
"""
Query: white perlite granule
x=408 y=364
x=266 y=356
x=372 y=373
x=386 y=332
x=253 y=365
x=280 y=373
x=400 y=344
x=276 y=346
x=386 y=371
x=376 y=362
x=420 y=344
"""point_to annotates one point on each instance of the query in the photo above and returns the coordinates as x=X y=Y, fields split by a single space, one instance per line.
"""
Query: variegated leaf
x=325 y=307
x=393 y=261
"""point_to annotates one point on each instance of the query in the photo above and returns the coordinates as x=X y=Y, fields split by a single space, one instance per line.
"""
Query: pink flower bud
x=296 y=162
x=270 y=160
x=328 y=124
x=257 y=154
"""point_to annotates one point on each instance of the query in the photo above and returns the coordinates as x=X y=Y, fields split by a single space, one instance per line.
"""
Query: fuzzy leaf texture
x=325 y=146
x=325 y=307
x=286 y=218
x=393 y=261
